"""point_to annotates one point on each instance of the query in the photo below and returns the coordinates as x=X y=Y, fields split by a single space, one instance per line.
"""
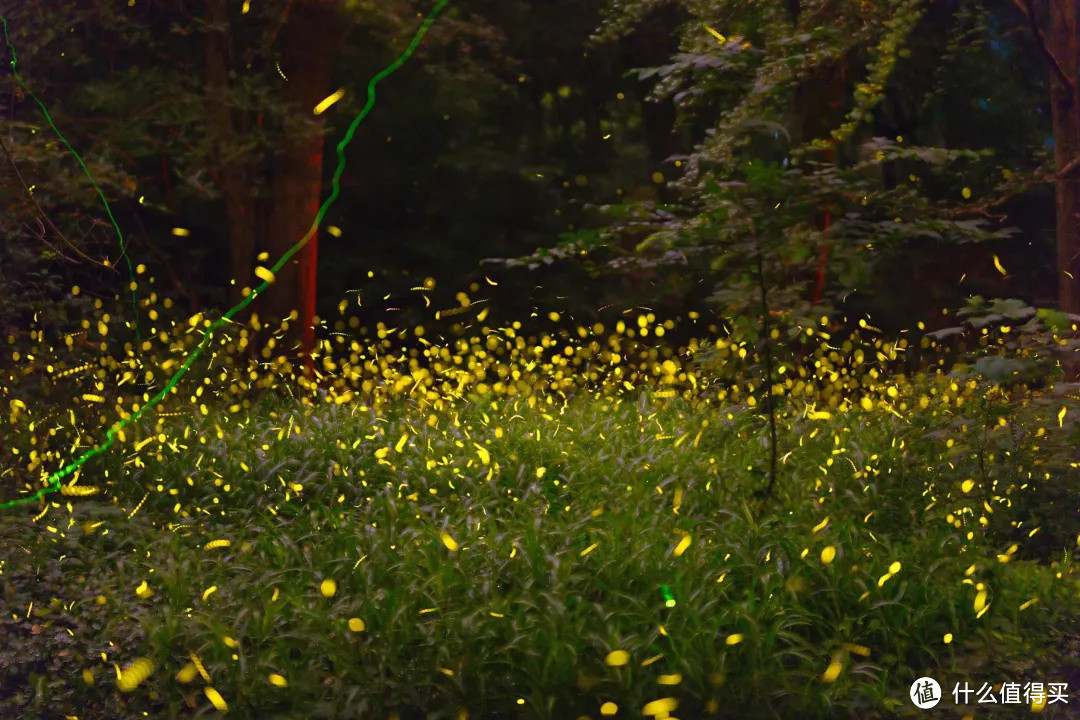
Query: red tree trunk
x=309 y=40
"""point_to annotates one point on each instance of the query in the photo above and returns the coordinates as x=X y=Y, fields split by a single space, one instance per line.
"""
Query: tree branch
x=1020 y=187
x=1073 y=167
x=43 y=217
x=277 y=28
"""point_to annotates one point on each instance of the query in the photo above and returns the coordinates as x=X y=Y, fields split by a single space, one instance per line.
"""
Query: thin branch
x=277 y=28
x=162 y=103
x=1028 y=9
x=42 y=233
x=1072 y=167
x=41 y=214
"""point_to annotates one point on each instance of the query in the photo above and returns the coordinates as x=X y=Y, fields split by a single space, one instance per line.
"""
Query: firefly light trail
x=53 y=482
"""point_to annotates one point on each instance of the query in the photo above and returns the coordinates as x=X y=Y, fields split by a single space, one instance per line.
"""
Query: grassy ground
x=509 y=558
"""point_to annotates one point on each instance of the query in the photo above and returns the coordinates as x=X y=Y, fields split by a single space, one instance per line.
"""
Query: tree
x=819 y=97
x=309 y=32
x=873 y=101
x=1061 y=45
x=310 y=40
x=235 y=178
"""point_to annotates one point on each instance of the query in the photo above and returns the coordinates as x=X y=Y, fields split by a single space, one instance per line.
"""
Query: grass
x=499 y=553
x=518 y=534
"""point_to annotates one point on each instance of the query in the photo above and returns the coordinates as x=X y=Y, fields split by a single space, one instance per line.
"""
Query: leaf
x=1054 y=318
x=1012 y=308
x=998 y=368
x=946 y=333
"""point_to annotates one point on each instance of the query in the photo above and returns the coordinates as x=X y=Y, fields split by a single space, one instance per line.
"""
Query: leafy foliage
x=843 y=196
x=1026 y=345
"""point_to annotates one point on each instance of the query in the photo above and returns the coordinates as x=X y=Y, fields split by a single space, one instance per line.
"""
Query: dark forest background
x=877 y=156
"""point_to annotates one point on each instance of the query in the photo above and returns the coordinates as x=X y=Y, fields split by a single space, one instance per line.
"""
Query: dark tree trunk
x=1063 y=40
x=309 y=41
x=235 y=177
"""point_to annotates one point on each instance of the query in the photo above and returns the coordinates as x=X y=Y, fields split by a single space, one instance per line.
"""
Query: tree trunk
x=817 y=108
x=309 y=42
x=235 y=178
x=1063 y=40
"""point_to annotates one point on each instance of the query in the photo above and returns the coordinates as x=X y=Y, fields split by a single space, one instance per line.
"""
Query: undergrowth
x=500 y=524
x=512 y=559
